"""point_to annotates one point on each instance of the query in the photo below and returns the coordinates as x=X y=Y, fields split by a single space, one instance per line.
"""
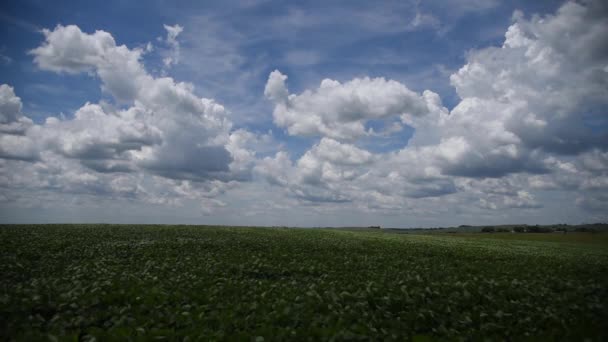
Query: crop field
x=570 y=238
x=179 y=283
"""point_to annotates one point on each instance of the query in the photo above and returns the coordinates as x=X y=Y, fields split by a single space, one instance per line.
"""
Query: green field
x=105 y=282
x=569 y=238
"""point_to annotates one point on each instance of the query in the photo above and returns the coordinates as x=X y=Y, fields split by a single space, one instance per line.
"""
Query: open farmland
x=570 y=238
x=172 y=282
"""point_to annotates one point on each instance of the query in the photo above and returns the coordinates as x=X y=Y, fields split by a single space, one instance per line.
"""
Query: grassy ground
x=569 y=238
x=179 y=282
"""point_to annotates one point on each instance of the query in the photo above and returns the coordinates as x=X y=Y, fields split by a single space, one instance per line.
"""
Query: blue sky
x=323 y=40
x=431 y=113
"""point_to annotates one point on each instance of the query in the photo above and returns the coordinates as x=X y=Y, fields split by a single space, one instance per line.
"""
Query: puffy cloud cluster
x=531 y=113
x=168 y=130
x=340 y=111
x=164 y=132
x=539 y=99
x=542 y=88
x=13 y=125
x=12 y=120
x=530 y=125
x=319 y=174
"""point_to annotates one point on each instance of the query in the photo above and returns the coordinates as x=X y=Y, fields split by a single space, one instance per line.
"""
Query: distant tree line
x=563 y=228
x=518 y=228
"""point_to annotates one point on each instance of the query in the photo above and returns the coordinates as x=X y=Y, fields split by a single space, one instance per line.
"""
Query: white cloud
x=327 y=161
x=520 y=95
x=341 y=154
x=519 y=119
x=523 y=130
x=275 y=170
x=17 y=147
x=68 y=49
x=173 y=54
x=165 y=131
x=322 y=174
x=340 y=111
x=10 y=105
x=525 y=88
x=12 y=120
x=276 y=89
x=169 y=130
x=94 y=134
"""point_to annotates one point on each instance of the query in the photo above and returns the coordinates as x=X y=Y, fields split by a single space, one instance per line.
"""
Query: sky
x=309 y=113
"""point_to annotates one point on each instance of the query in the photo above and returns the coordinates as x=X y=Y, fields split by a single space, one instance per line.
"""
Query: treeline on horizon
x=519 y=228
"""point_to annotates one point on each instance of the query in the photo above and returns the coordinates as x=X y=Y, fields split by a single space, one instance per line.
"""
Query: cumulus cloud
x=94 y=134
x=319 y=174
x=521 y=95
x=69 y=50
x=526 y=114
x=13 y=125
x=524 y=88
x=165 y=130
x=341 y=110
x=12 y=120
x=276 y=89
x=529 y=123
x=523 y=200
x=17 y=147
x=168 y=130
x=340 y=154
x=10 y=105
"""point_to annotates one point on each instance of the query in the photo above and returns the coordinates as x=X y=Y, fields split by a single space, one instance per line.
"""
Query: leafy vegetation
x=569 y=238
x=70 y=282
